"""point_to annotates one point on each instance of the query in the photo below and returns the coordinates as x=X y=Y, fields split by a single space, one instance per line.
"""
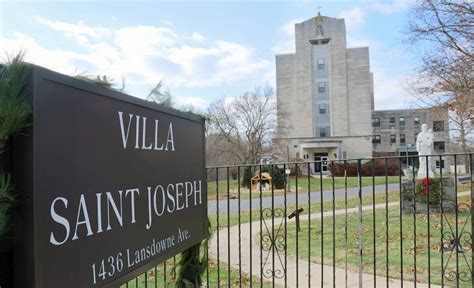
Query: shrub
x=296 y=170
x=15 y=113
x=14 y=109
x=428 y=189
x=234 y=172
x=247 y=177
x=278 y=176
x=393 y=168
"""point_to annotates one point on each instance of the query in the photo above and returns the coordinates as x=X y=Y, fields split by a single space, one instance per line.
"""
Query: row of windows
x=401 y=121
x=438 y=126
x=438 y=145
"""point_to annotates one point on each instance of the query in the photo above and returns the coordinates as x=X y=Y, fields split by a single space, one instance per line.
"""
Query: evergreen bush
x=278 y=176
x=14 y=109
x=7 y=200
x=192 y=264
x=247 y=177
x=15 y=114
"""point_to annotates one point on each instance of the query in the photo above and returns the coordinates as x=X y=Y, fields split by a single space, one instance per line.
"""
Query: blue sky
x=202 y=50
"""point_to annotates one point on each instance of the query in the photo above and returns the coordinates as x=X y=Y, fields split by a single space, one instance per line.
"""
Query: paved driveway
x=315 y=196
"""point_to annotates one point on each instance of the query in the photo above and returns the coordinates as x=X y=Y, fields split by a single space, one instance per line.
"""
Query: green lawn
x=159 y=276
x=246 y=216
x=314 y=207
x=231 y=188
x=395 y=246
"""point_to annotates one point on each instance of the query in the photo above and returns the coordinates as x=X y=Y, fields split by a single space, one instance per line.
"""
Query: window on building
x=375 y=122
x=392 y=122
x=321 y=87
x=320 y=64
x=403 y=139
x=416 y=120
x=322 y=109
x=438 y=126
x=439 y=164
x=323 y=131
x=376 y=139
x=401 y=121
x=393 y=138
x=439 y=146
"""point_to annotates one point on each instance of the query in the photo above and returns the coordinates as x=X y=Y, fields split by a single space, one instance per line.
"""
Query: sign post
x=111 y=185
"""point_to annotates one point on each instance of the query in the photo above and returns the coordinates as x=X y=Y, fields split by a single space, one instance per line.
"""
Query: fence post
x=471 y=166
x=359 y=179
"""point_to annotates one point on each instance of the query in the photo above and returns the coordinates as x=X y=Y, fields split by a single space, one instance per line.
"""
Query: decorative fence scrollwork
x=457 y=241
x=273 y=242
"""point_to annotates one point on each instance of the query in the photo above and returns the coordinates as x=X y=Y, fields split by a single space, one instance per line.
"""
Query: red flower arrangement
x=425 y=185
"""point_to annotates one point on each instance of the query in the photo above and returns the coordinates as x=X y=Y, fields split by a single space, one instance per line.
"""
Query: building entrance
x=321 y=162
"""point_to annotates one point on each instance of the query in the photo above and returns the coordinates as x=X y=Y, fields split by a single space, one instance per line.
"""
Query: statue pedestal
x=408 y=202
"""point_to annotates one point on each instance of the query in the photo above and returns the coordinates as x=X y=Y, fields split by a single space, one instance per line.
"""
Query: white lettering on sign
x=141 y=124
x=159 y=200
x=112 y=265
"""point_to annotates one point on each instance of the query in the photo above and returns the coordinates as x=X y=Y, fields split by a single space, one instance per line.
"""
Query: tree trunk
x=465 y=147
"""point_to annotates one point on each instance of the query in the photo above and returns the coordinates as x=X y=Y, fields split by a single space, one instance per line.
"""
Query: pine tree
x=247 y=177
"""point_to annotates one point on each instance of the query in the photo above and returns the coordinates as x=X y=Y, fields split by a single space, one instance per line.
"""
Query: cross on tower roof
x=318 y=16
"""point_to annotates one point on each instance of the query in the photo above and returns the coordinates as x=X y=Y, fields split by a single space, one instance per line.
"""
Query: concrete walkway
x=250 y=258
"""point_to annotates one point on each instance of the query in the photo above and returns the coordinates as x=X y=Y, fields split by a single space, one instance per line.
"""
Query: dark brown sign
x=112 y=185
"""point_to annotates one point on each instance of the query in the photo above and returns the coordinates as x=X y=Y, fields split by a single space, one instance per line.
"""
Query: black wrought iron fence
x=366 y=222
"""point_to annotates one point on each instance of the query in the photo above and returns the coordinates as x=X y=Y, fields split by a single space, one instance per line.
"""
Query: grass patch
x=224 y=219
x=396 y=248
x=230 y=189
x=246 y=216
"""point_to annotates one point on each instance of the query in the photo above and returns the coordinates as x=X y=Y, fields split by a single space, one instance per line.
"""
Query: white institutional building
x=325 y=101
x=336 y=123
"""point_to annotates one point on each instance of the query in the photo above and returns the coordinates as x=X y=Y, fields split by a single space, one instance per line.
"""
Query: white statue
x=424 y=146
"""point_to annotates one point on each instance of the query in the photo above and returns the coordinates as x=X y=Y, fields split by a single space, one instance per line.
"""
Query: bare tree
x=444 y=26
x=244 y=126
x=442 y=31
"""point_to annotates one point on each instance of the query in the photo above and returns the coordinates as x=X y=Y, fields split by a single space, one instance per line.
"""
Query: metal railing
x=367 y=222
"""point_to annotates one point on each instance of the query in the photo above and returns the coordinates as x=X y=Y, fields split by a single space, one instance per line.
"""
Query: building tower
x=324 y=94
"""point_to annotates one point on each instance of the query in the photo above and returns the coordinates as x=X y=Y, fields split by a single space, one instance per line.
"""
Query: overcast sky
x=201 y=50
